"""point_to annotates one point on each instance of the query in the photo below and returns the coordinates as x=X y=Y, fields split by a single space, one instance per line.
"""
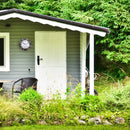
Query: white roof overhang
x=52 y=23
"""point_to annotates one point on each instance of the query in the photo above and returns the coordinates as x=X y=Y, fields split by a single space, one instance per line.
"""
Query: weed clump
x=118 y=99
x=31 y=96
x=10 y=110
x=92 y=103
x=33 y=103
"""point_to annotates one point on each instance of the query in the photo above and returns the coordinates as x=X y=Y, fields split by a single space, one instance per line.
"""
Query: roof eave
x=54 y=19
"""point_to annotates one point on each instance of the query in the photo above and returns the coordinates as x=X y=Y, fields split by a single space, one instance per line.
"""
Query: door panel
x=50 y=46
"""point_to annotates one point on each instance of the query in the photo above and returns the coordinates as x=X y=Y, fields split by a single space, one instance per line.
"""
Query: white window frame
x=6 y=66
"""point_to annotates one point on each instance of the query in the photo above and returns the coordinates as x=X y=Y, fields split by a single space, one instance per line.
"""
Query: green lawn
x=43 y=127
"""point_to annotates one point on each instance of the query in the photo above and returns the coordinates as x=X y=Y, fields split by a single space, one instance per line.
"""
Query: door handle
x=38 y=60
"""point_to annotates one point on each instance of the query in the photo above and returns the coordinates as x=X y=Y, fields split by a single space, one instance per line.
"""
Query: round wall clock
x=25 y=44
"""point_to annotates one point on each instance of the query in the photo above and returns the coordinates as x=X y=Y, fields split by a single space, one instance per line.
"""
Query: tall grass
x=117 y=97
x=63 y=111
x=31 y=107
x=10 y=110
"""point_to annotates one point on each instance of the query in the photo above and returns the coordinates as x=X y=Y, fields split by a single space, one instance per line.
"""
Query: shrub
x=33 y=103
x=92 y=104
x=32 y=96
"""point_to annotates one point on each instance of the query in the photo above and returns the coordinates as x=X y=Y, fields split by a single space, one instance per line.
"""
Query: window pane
x=1 y=51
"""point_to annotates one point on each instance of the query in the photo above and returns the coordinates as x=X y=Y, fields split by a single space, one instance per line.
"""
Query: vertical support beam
x=91 y=64
x=82 y=59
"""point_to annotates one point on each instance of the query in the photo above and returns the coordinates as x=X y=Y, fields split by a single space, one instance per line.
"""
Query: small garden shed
x=48 y=48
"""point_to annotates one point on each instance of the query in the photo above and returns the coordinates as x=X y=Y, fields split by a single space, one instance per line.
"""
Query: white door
x=50 y=63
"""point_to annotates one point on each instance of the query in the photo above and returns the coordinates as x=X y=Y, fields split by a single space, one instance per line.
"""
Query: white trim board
x=52 y=23
x=83 y=39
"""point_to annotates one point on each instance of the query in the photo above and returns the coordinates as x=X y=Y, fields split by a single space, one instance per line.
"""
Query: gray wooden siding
x=21 y=61
x=73 y=58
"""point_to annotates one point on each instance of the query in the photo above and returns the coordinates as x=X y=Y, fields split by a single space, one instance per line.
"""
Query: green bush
x=92 y=104
x=33 y=103
x=30 y=95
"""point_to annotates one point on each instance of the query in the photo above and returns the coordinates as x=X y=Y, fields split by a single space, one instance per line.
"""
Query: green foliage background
x=112 y=53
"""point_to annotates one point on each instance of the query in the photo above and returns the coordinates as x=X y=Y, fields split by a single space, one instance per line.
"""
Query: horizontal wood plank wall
x=21 y=61
x=73 y=58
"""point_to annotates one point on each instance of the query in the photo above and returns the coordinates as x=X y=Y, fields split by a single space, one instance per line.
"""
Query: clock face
x=25 y=44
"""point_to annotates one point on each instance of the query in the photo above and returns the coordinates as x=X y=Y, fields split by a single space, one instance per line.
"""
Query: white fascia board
x=52 y=23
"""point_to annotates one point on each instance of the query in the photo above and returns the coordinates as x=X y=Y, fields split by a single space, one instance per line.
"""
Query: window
x=1 y=51
x=4 y=52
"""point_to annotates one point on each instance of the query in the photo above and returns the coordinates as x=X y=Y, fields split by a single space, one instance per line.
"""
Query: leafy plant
x=30 y=95
x=33 y=102
x=1 y=89
x=92 y=103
